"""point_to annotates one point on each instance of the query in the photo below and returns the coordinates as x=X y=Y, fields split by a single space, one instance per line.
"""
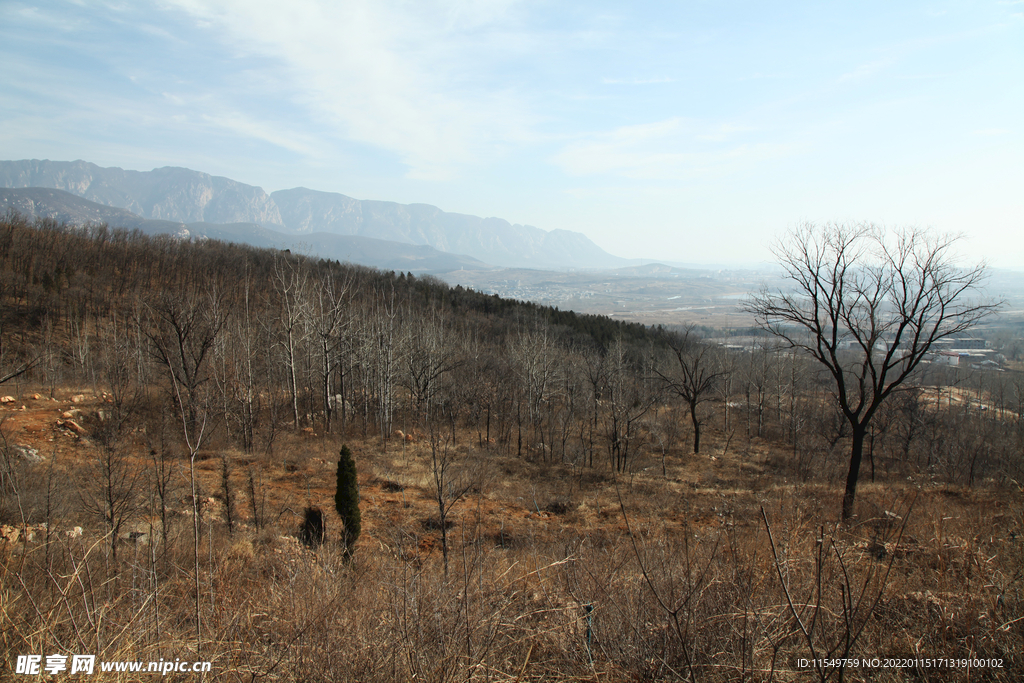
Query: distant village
x=964 y=352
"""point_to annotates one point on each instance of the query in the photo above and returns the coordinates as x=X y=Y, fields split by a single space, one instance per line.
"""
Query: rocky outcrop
x=170 y=194
x=492 y=240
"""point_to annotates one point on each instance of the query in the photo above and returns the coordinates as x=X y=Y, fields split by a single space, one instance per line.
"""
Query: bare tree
x=184 y=330
x=247 y=371
x=698 y=375
x=451 y=481
x=533 y=357
x=19 y=369
x=629 y=398
x=290 y=285
x=433 y=353
x=384 y=346
x=328 y=317
x=755 y=381
x=182 y=333
x=111 y=493
x=868 y=304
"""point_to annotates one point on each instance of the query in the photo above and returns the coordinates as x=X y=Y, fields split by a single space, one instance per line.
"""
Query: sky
x=691 y=131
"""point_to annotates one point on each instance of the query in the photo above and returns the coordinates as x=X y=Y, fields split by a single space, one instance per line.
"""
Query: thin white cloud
x=636 y=81
x=672 y=149
x=865 y=71
x=724 y=132
x=245 y=126
x=395 y=76
x=54 y=21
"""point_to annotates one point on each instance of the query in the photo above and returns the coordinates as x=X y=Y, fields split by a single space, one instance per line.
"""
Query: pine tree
x=346 y=500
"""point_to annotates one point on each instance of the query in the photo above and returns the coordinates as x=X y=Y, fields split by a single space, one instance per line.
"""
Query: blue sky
x=692 y=131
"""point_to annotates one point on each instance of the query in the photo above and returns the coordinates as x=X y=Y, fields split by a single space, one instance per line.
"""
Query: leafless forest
x=544 y=495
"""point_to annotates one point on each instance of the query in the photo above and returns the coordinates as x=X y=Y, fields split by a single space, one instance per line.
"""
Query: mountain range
x=170 y=200
x=64 y=207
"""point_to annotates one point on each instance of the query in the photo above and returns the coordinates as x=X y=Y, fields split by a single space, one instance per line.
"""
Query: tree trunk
x=326 y=388
x=856 y=453
x=696 y=428
x=293 y=381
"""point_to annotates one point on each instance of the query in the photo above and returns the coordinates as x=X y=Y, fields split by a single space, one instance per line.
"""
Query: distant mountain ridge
x=64 y=207
x=171 y=194
x=185 y=196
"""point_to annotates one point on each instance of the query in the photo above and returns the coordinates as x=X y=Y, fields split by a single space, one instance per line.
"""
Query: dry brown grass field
x=723 y=566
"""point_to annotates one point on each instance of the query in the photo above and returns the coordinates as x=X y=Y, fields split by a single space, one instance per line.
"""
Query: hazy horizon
x=696 y=133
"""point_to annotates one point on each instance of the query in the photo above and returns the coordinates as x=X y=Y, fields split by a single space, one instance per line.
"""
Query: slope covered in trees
x=533 y=500
x=257 y=339
x=248 y=333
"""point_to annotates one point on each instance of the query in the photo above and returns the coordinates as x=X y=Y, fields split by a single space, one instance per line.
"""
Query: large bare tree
x=183 y=333
x=869 y=304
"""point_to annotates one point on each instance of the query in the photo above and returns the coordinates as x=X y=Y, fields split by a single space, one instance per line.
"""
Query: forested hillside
x=340 y=341
x=543 y=495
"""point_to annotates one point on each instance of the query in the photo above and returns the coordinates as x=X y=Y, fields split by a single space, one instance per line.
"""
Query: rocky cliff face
x=492 y=240
x=305 y=211
x=184 y=196
x=64 y=207
x=170 y=194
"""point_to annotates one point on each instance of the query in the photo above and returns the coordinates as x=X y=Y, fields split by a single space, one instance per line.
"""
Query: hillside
x=63 y=207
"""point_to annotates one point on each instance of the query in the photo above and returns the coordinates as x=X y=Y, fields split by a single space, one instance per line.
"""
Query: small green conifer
x=346 y=500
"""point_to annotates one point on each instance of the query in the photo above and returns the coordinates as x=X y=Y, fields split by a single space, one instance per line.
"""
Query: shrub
x=312 y=531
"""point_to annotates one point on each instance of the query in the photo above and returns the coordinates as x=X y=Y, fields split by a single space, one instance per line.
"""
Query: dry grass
x=555 y=575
